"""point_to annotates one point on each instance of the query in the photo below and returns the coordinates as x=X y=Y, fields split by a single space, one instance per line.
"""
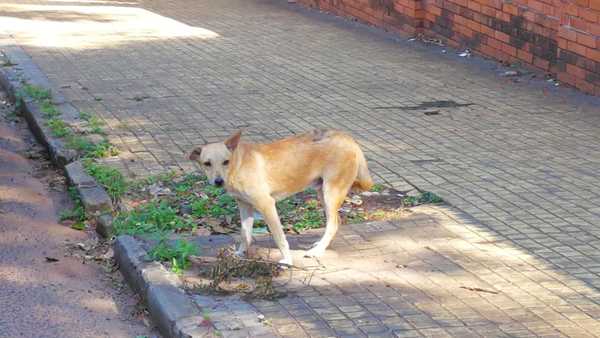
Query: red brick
x=562 y=43
x=523 y=55
x=541 y=63
x=462 y=3
x=592 y=54
x=511 y=9
x=572 y=9
x=495 y=3
x=567 y=33
x=502 y=36
x=579 y=23
x=536 y=5
x=489 y=11
x=594 y=29
x=552 y=23
x=587 y=40
x=435 y=10
x=530 y=16
x=474 y=6
x=595 y=4
x=508 y=49
x=588 y=15
x=495 y=44
x=566 y=78
x=487 y=50
x=583 y=3
x=576 y=71
x=576 y=48
x=474 y=25
x=487 y=31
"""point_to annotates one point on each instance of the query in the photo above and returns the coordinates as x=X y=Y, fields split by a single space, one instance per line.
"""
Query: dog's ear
x=233 y=141
x=195 y=154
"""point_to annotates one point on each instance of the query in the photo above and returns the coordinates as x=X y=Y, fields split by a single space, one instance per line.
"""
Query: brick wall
x=558 y=36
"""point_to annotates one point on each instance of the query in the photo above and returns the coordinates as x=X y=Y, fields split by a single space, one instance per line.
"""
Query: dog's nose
x=219 y=181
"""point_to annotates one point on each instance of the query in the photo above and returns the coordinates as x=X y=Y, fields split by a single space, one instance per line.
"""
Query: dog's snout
x=219 y=181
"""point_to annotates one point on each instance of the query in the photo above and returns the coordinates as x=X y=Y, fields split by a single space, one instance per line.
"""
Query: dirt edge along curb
x=13 y=79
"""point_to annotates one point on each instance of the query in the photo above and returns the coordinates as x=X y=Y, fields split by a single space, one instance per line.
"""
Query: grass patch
x=58 y=127
x=95 y=124
x=177 y=254
x=152 y=217
x=37 y=93
x=426 y=197
x=169 y=203
x=377 y=187
x=110 y=178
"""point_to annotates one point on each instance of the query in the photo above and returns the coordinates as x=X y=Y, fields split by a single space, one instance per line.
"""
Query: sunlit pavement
x=516 y=255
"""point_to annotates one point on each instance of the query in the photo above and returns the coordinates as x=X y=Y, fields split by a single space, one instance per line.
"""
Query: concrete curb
x=171 y=309
x=94 y=197
x=96 y=201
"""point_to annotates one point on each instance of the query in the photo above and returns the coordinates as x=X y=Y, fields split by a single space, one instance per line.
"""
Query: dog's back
x=293 y=163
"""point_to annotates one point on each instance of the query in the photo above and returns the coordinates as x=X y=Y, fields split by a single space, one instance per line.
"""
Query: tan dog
x=258 y=175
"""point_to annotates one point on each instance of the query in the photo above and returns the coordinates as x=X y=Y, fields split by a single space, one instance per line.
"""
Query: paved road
x=521 y=159
x=39 y=298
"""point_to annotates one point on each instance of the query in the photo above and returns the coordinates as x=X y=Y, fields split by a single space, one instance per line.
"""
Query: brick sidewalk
x=521 y=160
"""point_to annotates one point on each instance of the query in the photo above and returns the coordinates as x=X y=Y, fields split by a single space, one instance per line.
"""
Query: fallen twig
x=479 y=290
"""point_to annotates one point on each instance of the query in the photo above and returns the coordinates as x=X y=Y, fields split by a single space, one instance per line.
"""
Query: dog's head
x=214 y=158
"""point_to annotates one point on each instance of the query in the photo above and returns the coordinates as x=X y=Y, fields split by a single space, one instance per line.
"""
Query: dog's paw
x=286 y=261
x=316 y=251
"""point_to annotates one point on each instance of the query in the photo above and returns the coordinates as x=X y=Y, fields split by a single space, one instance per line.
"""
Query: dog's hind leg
x=247 y=219
x=333 y=196
x=266 y=206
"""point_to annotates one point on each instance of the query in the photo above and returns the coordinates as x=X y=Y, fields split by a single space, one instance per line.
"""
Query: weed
x=96 y=125
x=421 y=198
x=111 y=178
x=78 y=226
x=49 y=109
x=77 y=214
x=37 y=93
x=58 y=127
x=152 y=217
x=177 y=254
x=310 y=217
x=377 y=187
x=200 y=207
x=429 y=197
x=90 y=149
x=224 y=205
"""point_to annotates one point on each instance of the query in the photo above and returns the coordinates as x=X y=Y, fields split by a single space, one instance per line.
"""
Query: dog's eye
x=226 y=162
x=207 y=164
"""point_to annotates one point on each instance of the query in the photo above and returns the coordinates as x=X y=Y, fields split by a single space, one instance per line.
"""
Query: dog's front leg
x=266 y=206
x=247 y=219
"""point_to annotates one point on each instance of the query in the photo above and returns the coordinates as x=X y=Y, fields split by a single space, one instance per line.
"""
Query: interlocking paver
x=521 y=164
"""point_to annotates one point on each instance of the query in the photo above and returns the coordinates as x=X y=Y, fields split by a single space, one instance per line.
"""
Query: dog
x=259 y=175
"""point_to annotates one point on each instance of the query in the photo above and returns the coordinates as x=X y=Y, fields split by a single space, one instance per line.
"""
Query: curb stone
x=171 y=309
x=94 y=197
x=12 y=79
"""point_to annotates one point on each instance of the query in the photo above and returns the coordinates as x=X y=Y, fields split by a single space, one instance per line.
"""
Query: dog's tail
x=363 y=180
